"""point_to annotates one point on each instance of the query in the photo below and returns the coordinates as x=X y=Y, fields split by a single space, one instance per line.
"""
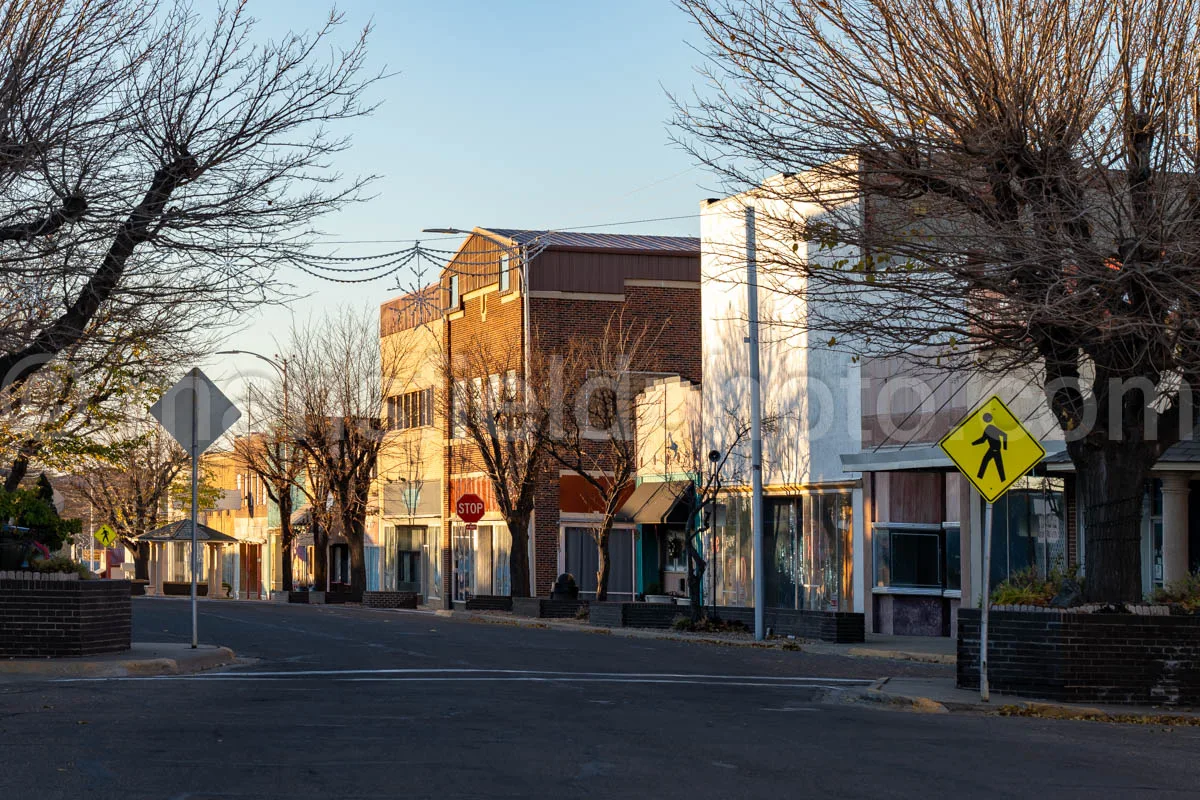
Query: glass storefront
x=583 y=561
x=481 y=560
x=410 y=560
x=807 y=546
x=1028 y=529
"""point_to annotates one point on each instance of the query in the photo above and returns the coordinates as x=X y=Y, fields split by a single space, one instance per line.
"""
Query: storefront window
x=1027 y=529
x=806 y=541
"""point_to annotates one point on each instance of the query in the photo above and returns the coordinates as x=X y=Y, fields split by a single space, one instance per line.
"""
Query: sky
x=517 y=114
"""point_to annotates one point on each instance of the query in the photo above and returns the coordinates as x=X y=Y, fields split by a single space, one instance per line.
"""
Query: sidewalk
x=941 y=696
x=925 y=649
x=142 y=659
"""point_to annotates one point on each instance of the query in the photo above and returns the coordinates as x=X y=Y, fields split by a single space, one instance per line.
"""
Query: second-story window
x=410 y=410
x=455 y=299
x=504 y=272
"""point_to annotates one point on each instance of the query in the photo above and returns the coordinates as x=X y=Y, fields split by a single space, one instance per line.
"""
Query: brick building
x=526 y=294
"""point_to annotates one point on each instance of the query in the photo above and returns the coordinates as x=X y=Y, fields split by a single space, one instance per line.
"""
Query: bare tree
x=130 y=486
x=596 y=435
x=275 y=457
x=339 y=389
x=153 y=159
x=996 y=185
x=499 y=418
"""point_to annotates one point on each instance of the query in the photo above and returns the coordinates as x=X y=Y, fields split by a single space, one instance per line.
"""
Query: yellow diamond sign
x=106 y=535
x=992 y=449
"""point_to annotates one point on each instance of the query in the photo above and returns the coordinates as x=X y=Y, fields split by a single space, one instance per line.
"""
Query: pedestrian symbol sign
x=106 y=535
x=992 y=449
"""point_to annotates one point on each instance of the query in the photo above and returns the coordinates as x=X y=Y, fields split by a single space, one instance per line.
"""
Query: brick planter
x=184 y=589
x=1085 y=658
x=489 y=602
x=826 y=626
x=390 y=599
x=545 y=608
x=53 y=617
x=843 y=627
x=635 y=615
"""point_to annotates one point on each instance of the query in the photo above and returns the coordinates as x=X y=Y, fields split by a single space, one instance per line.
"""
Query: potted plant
x=654 y=594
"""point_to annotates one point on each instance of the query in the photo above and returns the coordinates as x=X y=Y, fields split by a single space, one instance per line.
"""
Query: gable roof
x=621 y=242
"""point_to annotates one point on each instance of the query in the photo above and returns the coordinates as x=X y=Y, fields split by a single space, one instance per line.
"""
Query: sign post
x=993 y=451
x=196 y=414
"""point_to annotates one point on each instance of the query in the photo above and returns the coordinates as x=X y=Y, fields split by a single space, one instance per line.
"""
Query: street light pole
x=281 y=366
x=524 y=255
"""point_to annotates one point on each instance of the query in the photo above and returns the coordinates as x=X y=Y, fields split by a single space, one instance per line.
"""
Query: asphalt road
x=350 y=703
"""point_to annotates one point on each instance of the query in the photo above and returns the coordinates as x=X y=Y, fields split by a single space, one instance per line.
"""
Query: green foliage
x=25 y=509
x=1028 y=588
x=1183 y=593
x=60 y=564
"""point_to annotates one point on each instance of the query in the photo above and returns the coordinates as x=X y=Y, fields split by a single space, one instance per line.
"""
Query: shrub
x=1183 y=593
x=61 y=564
x=1028 y=588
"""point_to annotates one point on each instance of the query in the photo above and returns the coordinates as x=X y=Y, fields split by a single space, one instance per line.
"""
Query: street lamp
x=281 y=366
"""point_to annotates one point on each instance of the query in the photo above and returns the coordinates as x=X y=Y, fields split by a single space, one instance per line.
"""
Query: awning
x=653 y=503
x=181 y=531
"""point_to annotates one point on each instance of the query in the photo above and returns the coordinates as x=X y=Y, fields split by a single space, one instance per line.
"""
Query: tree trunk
x=320 y=559
x=17 y=472
x=1112 y=479
x=141 y=561
x=518 y=555
x=356 y=535
x=604 y=565
x=286 y=537
x=695 y=579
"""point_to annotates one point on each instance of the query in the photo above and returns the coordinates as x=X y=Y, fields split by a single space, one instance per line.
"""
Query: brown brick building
x=576 y=283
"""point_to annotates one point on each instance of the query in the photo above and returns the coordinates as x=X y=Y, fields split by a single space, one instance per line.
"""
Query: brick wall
x=555 y=321
x=1085 y=658
x=57 y=618
x=824 y=626
x=545 y=608
x=390 y=599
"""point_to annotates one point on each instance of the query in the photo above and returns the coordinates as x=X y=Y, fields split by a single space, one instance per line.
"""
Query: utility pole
x=756 y=502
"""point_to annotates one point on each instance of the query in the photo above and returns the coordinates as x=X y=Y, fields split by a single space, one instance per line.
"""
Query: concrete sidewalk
x=941 y=696
x=924 y=649
x=142 y=659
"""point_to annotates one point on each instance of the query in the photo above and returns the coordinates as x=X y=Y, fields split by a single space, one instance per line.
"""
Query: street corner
x=141 y=660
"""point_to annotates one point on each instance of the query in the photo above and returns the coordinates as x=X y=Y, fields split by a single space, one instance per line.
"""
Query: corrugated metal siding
x=574 y=271
x=477 y=265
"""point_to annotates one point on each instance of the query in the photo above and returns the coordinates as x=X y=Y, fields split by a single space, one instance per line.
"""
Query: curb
x=922 y=705
x=903 y=655
x=627 y=633
x=205 y=657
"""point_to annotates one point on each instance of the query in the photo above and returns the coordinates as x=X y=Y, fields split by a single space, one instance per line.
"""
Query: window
x=505 y=275
x=913 y=556
x=455 y=299
x=410 y=410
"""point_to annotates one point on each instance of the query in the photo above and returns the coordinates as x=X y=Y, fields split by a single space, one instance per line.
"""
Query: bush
x=1183 y=593
x=1028 y=588
x=61 y=564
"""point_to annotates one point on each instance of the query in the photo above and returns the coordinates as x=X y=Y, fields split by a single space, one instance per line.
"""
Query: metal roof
x=181 y=531
x=686 y=245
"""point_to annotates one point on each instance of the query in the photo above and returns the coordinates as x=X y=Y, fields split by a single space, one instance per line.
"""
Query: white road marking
x=418 y=675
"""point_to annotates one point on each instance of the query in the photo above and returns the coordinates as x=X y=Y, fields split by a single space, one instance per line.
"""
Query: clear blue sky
x=526 y=113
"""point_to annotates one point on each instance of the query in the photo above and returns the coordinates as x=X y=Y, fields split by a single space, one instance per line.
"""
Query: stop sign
x=469 y=508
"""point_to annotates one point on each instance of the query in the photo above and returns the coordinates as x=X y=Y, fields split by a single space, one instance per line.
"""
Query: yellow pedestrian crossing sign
x=992 y=449
x=106 y=535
